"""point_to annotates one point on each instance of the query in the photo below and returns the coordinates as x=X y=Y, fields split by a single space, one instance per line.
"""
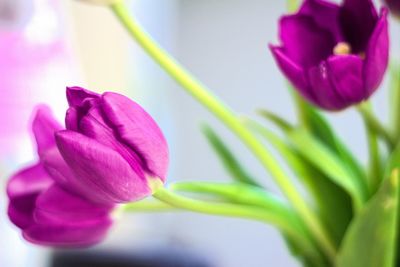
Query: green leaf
x=231 y=164
x=321 y=129
x=330 y=164
x=371 y=238
x=315 y=123
x=280 y=122
x=327 y=196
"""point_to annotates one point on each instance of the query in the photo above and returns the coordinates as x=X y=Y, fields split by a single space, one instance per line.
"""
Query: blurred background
x=46 y=45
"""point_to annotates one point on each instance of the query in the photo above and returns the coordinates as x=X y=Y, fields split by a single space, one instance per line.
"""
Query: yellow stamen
x=342 y=48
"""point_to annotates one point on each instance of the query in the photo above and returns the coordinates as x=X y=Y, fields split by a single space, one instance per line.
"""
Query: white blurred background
x=224 y=43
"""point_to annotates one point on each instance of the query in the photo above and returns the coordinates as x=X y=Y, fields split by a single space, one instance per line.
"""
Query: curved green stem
x=292 y=5
x=395 y=99
x=147 y=206
x=224 y=113
x=231 y=210
x=376 y=125
x=374 y=154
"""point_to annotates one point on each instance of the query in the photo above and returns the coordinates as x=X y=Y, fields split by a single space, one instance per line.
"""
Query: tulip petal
x=68 y=234
x=76 y=95
x=31 y=180
x=304 y=42
x=101 y=168
x=347 y=78
x=44 y=126
x=71 y=119
x=325 y=14
x=62 y=174
x=20 y=210
x=293 y=72
x=22 y=190
x=324 y=90
x=377 y=54
x=58 y=205
x=138 y=130
x=358 y=19
x=94 y=126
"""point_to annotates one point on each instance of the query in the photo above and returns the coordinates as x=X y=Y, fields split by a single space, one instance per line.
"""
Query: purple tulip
x=335 y=56
x=47 y=212
x=113 y=147
x=394 y=6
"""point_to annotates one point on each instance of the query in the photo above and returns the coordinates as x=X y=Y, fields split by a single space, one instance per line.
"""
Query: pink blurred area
x=35 y=64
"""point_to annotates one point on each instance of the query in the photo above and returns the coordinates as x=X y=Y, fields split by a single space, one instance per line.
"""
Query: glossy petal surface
x=304 y=41
x=138 y=130
x=326 y=15
x=101 y=168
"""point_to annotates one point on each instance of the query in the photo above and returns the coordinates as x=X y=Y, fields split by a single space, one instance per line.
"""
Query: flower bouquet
x=111 y=156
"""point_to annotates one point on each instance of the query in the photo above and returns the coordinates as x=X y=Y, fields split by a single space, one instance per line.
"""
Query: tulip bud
x=113 y=146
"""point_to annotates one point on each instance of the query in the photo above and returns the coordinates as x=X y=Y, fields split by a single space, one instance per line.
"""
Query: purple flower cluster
x=109 y=152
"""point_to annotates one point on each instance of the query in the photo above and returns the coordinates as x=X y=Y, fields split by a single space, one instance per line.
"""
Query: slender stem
x=292 y=5
x=395 y=99
x=224 y=113
x=147 y=205
x=374 y=161
x=256 y=206
x=376 y=125
x=231 y=210
x=373 y=146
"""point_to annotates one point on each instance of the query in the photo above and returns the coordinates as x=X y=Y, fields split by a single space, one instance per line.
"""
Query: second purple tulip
x=335 y=56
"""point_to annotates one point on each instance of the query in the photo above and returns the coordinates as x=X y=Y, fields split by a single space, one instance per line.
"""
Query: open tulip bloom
x=111 y=155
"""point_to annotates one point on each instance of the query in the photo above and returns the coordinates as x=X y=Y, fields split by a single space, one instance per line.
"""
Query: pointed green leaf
x=280 y=122
x=231 y=164
x=327 y=195
x=329 y=164
x=321 y=129
x=371 y=238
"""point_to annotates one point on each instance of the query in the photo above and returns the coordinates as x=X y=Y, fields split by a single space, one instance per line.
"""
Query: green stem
x=395 y=99
x=202 y=94
x=147 y=205
x=374 y=155
x=375 y=125
x=374 y=161
x=292 y=5
x=231 y=210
